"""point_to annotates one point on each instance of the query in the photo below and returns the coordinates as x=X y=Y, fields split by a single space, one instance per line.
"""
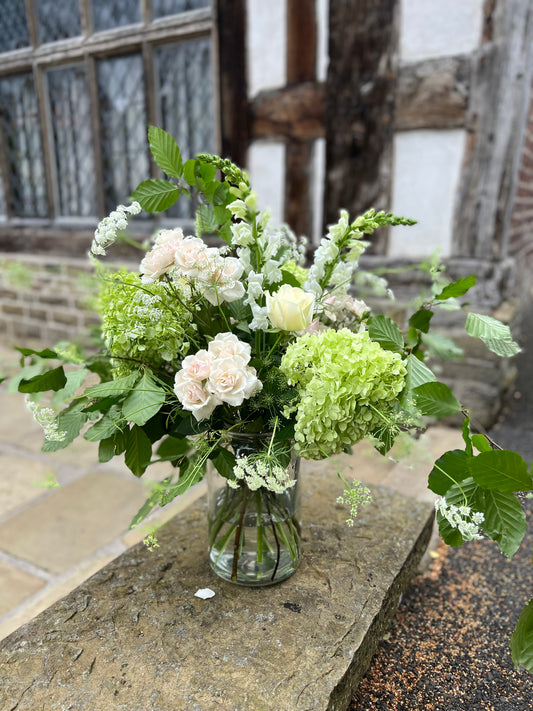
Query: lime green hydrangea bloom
x=346 y=383
x=142 y=322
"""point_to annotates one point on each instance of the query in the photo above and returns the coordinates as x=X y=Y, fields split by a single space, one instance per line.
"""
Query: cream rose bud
x=232 y=382
x=194 y=397
x=290 y=308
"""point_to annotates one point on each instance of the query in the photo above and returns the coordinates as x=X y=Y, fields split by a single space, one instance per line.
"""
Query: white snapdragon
x=107 y=229
x=46 y=418
x=466 y=521
x=241 y=234
x=261 y=473
x=259 y=320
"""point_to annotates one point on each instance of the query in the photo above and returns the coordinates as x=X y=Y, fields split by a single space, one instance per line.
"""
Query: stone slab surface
x=134 y=636
x=62 y=529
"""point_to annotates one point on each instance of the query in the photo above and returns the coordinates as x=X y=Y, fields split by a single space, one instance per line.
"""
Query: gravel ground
x=449 y=646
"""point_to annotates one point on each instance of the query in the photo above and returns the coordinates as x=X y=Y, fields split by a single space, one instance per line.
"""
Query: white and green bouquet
x=230 y=332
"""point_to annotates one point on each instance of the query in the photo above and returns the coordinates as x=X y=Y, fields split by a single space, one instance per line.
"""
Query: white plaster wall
x=437 y=28
x=319 y=176
x=266 y=33
x=427 y=168
x=266 y=168
x=322 y=54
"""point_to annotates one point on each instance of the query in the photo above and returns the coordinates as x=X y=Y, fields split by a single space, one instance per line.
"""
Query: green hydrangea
x=142 y=322
x=347 y=384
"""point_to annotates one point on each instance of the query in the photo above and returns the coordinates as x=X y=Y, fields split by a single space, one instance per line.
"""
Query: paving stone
x=17 y=585
x=73 y=522
x=135 y=637
x=21 y=481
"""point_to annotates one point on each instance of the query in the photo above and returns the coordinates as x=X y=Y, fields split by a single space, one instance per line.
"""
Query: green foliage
x=54 y=379
x=522 y=639
x=494 y=334
x=156 y=195
x=383 y=330
x=435 y=399
x=165 y=151
x=457 y=288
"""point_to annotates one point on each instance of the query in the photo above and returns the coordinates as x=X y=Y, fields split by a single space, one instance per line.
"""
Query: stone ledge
x=134 y=636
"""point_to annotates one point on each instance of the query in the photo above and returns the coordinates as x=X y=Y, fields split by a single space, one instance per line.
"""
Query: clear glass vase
x=254 y=535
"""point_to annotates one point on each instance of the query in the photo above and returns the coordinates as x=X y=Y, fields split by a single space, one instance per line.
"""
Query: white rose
x=192 y=256
x=290 y=308
x=232 y=382
x=222 y=280
x=227 y=345
x=197 y=366
x=169 y=236
x=194 y=397
x=157 y=262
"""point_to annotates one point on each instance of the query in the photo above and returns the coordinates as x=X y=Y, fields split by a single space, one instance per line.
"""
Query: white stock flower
x=194 y=397
x=290 y=308
x=260 y=320
x=232 y=382
x=241 y=234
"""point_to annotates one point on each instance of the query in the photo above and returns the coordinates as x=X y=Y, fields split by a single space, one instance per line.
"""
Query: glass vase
x=254 y=534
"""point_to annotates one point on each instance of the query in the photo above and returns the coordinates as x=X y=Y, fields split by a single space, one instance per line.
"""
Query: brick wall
x=44 y=300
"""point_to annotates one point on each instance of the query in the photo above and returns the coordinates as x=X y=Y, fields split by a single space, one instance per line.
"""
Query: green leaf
x=75 y=379
x=206 y=222
x=494 y=334
x=383 y=330
x=522 y=639
x=505 y=521
x=54 y=379
x=442 y=346
x=420 y=320
x=457 y=288
x=467 y=437
x=502 y=470
x=165 y=151
x=70 y=423
x=191 y=472
x=144 y=401
x=436 y=399
x=224 y=462
x=155 y=195
x=172 y=448
x=151 y=502
x=503 y=348
x=113 y=387
x=106 y=426
x=449 y=469
x=111 y=446
x=46 y=353
x=138 y=451
x=189 y=171
x=417 y=373
x=481 y=443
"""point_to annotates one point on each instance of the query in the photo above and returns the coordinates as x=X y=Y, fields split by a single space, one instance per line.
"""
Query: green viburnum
x=142 y=323
x=347 y=384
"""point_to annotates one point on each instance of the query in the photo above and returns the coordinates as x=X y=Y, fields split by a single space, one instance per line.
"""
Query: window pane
x=13 y=26
x=57 y=20
x=70 y=112
x=124 y=128
x=185 y=100
x=162 y=8
x=115 y=13
x=24 y=149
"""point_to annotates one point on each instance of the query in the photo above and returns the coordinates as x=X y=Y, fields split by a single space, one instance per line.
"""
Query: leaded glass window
x=185 y=98
x=21 y=128
x=123 y=120
x=162 y=8
x=115 y=13
x=13 y=26
x=57 y=19
x=73 y=141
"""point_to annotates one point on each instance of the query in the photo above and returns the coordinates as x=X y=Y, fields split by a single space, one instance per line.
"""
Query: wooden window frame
x=24 y=233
